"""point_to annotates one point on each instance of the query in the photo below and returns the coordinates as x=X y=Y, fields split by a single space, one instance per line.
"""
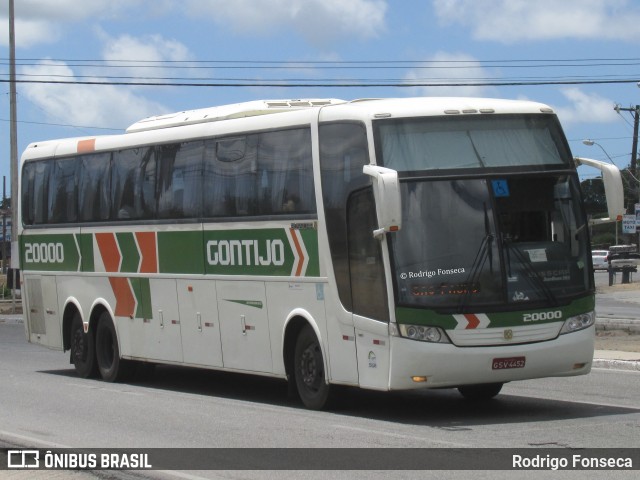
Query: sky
x=585 y=52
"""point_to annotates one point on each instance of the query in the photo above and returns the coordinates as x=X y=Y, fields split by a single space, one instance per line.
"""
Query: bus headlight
x=579 y=322
x=424 y=333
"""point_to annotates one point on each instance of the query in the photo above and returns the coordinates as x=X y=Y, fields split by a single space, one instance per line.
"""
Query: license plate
x=510 y=362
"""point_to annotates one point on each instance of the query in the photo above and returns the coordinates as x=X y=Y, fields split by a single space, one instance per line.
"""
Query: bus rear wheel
x=83 y=353
x=111 y=367
x=480 y=392
x=309 y=371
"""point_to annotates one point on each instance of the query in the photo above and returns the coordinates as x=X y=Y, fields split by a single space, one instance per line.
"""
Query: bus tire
x=309 y=371
x=83 y=352
x=480 y=392
x=111 y=367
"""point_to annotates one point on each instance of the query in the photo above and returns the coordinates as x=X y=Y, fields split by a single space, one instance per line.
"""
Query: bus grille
x=505 y=335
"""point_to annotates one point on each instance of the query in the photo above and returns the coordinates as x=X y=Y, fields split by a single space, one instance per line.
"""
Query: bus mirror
x=386 y=191
x=612 y=180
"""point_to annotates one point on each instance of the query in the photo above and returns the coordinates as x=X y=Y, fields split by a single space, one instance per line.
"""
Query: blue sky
x=321 y=41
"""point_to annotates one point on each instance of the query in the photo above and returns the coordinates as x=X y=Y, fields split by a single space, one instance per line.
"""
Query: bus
x=386 y=244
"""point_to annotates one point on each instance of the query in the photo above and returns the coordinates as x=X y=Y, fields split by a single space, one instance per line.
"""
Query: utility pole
x=634 y=146
x=634 y=153
x=14 y=151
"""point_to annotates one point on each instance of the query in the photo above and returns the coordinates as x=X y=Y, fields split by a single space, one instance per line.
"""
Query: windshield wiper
x=485 y=251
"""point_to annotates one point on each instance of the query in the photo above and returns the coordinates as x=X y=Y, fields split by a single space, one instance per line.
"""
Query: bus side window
x=41 y=192
x=133 y=184
x=28 y=193
x=285 y=183
x=63 y=207
x=229 y=177
x=343 y=153
x=94 y=187
x=180 y=180
x=368 y=291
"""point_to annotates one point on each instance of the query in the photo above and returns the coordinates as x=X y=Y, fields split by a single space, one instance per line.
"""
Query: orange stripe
x=147 y=244
x=125 y=301
x=109 y=251
x=473 y=321
x=85 y=146
x=300 y=253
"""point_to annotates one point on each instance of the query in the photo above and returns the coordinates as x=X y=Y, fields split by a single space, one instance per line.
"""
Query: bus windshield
x=470 y=240
x=473 y=141
x=467 y=243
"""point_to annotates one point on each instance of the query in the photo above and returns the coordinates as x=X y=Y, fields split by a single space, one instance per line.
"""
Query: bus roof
x=227 y=112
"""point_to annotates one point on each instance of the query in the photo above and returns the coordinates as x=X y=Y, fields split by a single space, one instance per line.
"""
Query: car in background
x=600 y=259
x=624 y=256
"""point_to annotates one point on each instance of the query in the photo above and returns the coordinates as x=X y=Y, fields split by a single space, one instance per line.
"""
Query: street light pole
x=634 y=149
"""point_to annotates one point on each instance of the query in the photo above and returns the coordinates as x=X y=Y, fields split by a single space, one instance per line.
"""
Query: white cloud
x=104 y=105
x=43 y=21
x=150 y=48
x=319 y=21
x=516 y=20
x=89 y=105
x=451 y=68
x=585 y=108
x=30 y=32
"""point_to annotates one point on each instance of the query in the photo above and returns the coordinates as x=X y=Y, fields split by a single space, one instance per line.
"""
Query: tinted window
x=343 y=153
x=63 y=207
x=267 y=173
x=133 y=184
x=366 y=269
x=180 y=180
x=94 y=188
x=39 y=194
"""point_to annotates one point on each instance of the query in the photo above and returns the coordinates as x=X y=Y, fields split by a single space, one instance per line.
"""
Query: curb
x=629 y=325
x=611 y=364
x=11 y=318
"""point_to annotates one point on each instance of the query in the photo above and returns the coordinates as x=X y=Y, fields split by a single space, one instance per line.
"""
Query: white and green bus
x=388 y=244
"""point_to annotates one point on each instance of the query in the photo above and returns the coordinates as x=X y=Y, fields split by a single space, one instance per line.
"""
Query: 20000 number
x=541 y=316
x=44 y=253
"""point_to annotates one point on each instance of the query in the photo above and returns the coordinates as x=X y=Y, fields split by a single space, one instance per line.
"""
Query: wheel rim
x=311 y=368
x=79 y=346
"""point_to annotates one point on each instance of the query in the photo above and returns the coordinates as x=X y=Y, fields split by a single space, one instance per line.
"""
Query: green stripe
x=248 y=303
x=415 y=316
x=142 y=292
x=129 y=250
x=181 y=252
x=310 y=239
x=265 y=252
x=85 y=240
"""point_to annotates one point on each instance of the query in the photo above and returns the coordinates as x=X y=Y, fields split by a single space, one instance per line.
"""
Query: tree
x=595 y=201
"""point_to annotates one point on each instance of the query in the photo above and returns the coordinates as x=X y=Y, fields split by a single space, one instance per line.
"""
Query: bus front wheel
x=83 y=354
x=309 y=371
x=112 y=368
x=480 y=392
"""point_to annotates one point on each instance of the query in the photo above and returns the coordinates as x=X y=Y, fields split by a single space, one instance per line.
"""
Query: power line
x=293 y=79
x=337 y=83
x=65 y=125
x=568 y=61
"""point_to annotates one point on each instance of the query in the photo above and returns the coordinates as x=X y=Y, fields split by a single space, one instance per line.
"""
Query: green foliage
x=595 y=201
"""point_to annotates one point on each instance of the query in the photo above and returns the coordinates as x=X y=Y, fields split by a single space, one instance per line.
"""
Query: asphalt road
x=45 y=405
